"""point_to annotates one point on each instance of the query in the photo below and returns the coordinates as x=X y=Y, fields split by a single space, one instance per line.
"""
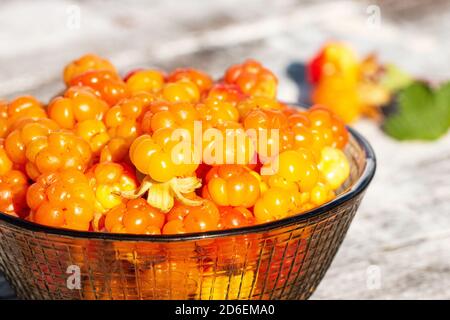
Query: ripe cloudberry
x=253 y=79
x=87 y=62
x=62 y=199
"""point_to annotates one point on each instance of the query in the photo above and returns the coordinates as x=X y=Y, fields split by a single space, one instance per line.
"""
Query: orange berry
x=78 y=104
x=232 y=185
x=152 y=157
x=122 y=120
x=217 y=113
x=24 y=107
x=106 y=84
x=108 y=180
x=4 y=123
x=56 y=151
x=135 y=217
x=201 y=79
x=173 y=115
x=274 y=204
x=23 y=133
x=201 y=218
x=181 y=91
x=13 y=190
x=253 y=79
x=174 y=227
x=145 y=80
x=116 y=150
x=6 y=164
x=272 y=130
x=87 y=62
x=94 y=132
x=62 y=199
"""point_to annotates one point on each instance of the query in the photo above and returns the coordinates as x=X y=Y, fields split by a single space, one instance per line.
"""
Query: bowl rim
x=357 y=188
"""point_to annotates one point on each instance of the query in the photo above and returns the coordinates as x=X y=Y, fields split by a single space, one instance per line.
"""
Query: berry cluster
x=350 y=86
x=140 y=155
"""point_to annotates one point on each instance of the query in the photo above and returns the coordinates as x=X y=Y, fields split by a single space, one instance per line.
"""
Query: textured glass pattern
x=283 y=260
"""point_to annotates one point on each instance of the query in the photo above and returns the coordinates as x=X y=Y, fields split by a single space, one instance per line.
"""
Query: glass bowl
x=285 y=259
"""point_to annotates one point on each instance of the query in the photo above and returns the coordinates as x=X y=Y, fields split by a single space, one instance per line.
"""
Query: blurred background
x=399 y=243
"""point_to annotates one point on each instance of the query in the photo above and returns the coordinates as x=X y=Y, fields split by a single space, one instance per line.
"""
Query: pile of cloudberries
x=156 y=153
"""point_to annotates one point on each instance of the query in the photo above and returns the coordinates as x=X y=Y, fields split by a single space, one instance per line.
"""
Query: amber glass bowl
x=285 y=259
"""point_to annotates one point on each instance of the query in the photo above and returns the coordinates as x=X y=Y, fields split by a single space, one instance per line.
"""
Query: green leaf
x=423 y=113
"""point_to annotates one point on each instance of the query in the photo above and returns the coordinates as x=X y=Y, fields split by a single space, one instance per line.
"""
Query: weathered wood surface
x=399 y=243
